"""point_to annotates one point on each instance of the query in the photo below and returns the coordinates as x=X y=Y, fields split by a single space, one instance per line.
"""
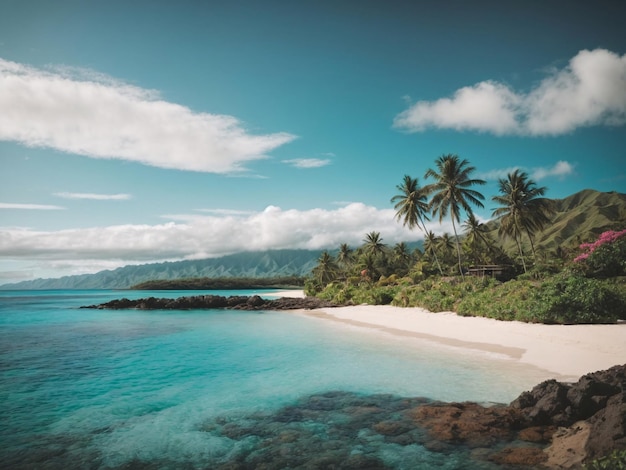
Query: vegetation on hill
x=539 y=260
x=223 y=283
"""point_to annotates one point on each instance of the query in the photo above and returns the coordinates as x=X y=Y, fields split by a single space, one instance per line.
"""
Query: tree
x=402 y=257
x=452 y=191
x=523 y=210
x=326 y=269
x=476 y=235
x=374 y=244
x=412 y=207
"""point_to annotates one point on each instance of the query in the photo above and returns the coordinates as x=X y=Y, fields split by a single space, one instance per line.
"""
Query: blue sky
x=142 y=131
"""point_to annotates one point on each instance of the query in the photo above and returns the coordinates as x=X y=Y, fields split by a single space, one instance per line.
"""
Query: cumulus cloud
x=30 y=207
x=195 y=236
x=93 y=196
x=308 y=162
x=589 y=91
x=95 y=116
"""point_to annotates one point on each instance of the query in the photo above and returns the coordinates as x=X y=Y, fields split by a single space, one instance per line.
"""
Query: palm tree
x=326 y=269
x=430 y=242
x=412 y=208
x=452 y=191
x=374 y=244
x=476 y=235
x=402 y=256
x=445 y=245
x=344 y=257
x=522 y=210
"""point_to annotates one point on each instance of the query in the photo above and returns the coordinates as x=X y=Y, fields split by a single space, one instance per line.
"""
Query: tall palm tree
x=523 y=210
x=452 y=191
x=412 y=207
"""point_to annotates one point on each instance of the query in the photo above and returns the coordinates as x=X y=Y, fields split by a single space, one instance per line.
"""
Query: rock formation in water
x=198 y=302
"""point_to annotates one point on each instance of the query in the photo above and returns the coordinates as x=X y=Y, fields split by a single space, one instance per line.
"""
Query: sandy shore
x=565 y=351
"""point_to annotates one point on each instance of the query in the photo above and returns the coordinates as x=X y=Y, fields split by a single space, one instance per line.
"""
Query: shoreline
x=565 y=352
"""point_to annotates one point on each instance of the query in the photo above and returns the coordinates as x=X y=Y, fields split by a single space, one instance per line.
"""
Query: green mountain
x=277 y=263
x=578 y=218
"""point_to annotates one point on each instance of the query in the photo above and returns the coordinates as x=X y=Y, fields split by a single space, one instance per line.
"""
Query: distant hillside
x=277 y=263
x=579 y=218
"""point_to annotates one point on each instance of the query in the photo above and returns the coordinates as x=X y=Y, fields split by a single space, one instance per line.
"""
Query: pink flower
x=605 y=237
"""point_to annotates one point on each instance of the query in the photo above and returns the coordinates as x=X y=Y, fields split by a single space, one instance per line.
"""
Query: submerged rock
x=344 y=430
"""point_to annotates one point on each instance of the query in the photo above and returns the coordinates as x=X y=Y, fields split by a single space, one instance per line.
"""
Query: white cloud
x=487 y=106
x=560 y=169
x=497 y=173
x=36 y=207
x=308 y=162
x=194 y=236
x=95 y=116
x=96 y=197
x=589 y=91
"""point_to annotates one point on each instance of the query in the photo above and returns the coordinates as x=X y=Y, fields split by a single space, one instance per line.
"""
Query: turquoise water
x=83 y=388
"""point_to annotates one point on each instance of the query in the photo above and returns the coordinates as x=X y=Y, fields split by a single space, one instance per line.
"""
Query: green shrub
x=570 y=298
x=614 y=461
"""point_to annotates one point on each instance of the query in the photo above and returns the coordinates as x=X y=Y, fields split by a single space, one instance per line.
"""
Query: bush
x=570 y=298
x=606 y=257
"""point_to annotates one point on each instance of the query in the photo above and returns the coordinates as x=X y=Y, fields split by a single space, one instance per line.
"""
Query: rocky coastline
x=553 y=426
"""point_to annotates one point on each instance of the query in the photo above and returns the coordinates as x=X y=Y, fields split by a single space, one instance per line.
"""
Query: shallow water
x=134 y=389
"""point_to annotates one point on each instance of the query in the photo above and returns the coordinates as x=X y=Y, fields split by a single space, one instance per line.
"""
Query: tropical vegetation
x=503 y=269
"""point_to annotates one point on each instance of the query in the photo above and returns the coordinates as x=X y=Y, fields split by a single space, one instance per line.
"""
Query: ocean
x=103 y=389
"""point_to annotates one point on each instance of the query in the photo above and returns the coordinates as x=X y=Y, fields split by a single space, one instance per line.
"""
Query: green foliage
x=348 y=294
x=570 y=298
x=564 y=298
x=223 y=283
x=614 y=461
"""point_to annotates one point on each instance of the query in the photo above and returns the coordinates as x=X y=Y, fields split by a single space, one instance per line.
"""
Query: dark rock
x=608 y=428
x=200 y=302
x=546 y=404
x=527 y=456
x=468 y=423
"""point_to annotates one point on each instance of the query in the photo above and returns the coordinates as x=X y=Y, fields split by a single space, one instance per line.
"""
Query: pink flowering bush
x=605 y=257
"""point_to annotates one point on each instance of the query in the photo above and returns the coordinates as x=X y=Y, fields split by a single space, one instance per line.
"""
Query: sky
x=150 y=131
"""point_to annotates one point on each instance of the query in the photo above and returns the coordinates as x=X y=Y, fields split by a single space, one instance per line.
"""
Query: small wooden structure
x=491 y=270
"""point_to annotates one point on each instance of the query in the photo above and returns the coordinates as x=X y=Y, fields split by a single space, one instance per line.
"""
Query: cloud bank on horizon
x=198 y=236
x=86 y=113
x=589 y=91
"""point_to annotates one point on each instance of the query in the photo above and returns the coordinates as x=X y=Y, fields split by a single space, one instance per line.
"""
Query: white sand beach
x=565 y=351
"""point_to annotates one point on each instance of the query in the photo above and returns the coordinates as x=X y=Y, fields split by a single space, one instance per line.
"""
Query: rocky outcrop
x=198 y=302
x=347 y=430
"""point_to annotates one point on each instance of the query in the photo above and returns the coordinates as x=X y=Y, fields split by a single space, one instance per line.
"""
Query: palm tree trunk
x=432 y=249
x=458 y=247
x=521 y=252
x=532 y=245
